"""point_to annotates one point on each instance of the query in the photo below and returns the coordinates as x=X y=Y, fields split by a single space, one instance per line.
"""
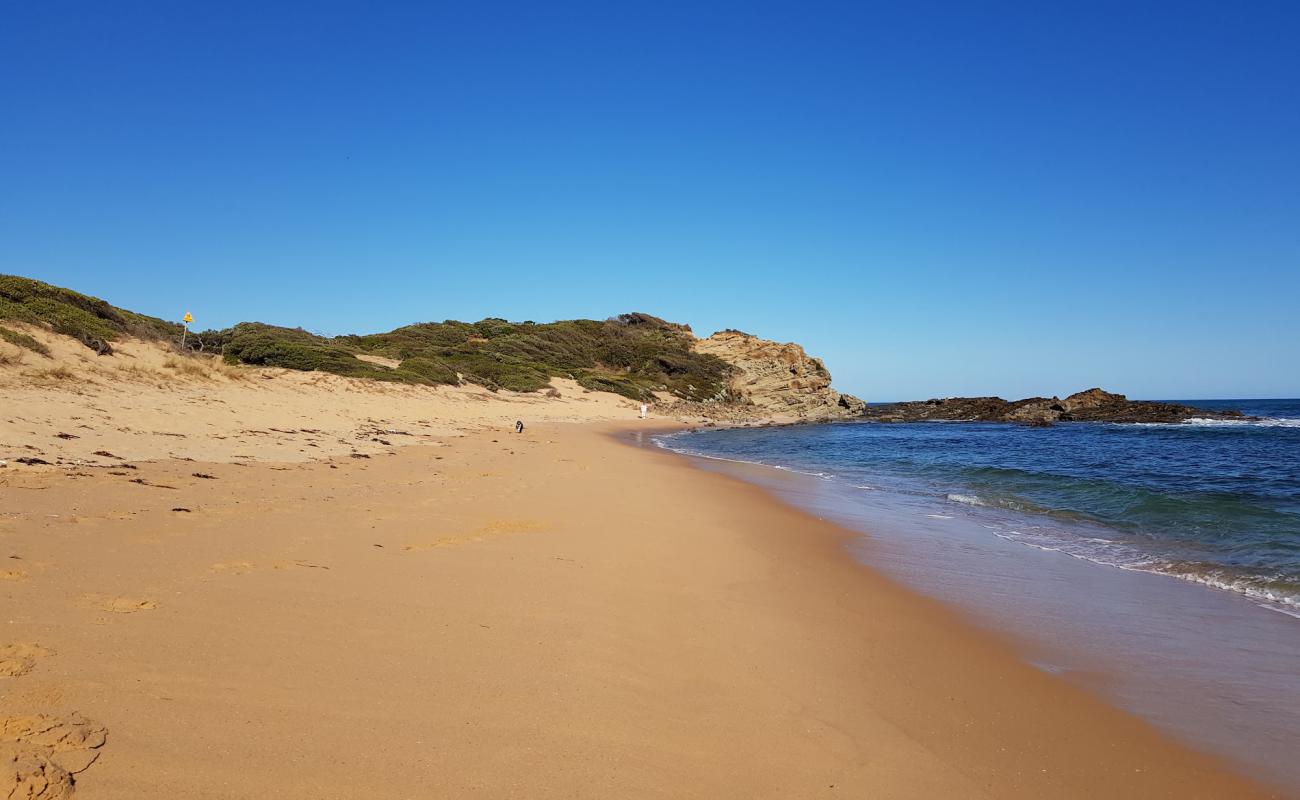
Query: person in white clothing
x=644 y=408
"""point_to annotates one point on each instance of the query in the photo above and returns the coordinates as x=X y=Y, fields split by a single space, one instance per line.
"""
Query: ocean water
x=1156 y=565
x=1213 y=502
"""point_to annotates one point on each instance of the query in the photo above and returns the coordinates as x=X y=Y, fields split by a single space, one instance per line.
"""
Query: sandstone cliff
x=778 y=380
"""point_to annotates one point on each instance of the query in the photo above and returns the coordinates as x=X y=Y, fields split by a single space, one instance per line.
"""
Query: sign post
x=186 y=329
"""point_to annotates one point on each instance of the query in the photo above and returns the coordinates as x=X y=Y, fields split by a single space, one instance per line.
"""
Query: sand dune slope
x=146 y=403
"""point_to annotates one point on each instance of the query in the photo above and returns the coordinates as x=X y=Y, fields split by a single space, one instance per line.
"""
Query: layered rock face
x=779 y=380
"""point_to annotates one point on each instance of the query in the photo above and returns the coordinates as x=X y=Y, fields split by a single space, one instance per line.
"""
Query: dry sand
x=553 y=614
x=146 y=403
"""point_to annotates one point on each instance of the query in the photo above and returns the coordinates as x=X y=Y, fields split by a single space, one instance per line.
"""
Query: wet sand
x=1213 y=668
x=554 y=614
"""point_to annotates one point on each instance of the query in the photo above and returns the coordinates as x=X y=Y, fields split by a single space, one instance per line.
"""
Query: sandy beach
x=649 y=401
x=485 y=614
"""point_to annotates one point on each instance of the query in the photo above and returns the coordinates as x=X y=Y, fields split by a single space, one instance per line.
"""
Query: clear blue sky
x=938 y=198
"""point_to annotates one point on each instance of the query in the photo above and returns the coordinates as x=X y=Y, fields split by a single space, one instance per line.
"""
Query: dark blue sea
x=1214 y=502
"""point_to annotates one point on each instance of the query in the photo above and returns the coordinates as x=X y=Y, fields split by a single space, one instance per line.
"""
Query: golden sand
x=485 y=614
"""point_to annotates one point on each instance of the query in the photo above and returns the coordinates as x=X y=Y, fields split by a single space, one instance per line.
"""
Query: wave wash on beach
x=1215 y=501
x=1156 y=563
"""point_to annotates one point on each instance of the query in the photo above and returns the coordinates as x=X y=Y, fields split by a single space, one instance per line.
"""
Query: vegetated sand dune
x=145 y=402
x=306 y=609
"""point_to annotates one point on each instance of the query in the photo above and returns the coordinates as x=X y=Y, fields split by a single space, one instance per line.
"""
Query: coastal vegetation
x=89 y=320
x=19 y=339
x=633 y=355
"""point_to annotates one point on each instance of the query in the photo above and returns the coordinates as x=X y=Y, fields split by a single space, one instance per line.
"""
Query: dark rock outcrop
x=1092 y=405
x=851 y=404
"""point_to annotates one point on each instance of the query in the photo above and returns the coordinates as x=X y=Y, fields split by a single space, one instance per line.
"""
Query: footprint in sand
x=500 y=526
x=40 y=754
x=444 y=541
x=20 y=658
x=297 y=562
x=129 y=605
x=120 y=605
x=233 y=567
x=490 y=529
x=14 y=575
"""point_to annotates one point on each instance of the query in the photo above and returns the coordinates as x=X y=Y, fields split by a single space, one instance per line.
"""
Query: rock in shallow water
x=1092 y=405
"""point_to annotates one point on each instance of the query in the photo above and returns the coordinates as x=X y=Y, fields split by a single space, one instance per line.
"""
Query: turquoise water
x=1213 y=502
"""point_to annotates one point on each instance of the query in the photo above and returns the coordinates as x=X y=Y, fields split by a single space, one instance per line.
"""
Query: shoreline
x=1260 y=598
x=863 y=545
x=1148 y=643
x=551 y=615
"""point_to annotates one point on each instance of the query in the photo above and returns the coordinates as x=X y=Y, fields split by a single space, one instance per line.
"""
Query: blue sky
x=937 y=198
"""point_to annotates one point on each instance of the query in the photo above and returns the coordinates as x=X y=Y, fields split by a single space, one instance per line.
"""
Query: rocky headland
x=1092 y=405
x=778 y=380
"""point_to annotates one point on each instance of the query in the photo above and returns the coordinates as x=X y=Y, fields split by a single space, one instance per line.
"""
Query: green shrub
x=496 y=371
x=428 y=371
x=70 y=320
x=24 y=290
x=617 y=385
x=146 y=327
x=90 y=320
x=292 y=348
x=17 y=312
x=649 y=352
x=24 y=341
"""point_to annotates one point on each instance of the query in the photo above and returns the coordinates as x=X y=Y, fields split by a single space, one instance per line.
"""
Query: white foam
x=938 y=516
x=1290 y=612
x=1286 y=604
x=967 y=499
x=1265 y=422
x=1207 y=422
x=826 y=476
x=683 y=451
x=1113 y=555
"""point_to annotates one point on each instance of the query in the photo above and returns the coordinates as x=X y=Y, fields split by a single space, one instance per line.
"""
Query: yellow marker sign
x=188 y=318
